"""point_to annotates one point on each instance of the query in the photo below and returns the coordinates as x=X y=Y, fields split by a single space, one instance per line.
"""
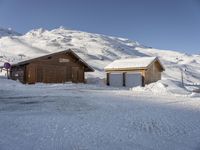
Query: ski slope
x=100 y=50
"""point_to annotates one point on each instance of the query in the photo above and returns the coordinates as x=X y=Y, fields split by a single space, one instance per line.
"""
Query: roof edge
x=136 y=68
x=125 y=69
x=80 y=59
x=157 y=59
x=56 y=53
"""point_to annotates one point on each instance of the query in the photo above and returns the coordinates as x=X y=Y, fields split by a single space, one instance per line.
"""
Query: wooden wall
x=54 y=69
x=153 y=73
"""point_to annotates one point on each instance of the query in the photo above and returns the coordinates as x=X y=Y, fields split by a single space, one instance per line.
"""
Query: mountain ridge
x=8 y=32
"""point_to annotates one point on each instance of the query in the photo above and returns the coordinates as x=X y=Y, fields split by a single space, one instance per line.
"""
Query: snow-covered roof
x=131 y=63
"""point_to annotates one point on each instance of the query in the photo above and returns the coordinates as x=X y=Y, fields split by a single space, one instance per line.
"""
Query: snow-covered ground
x=89 y=117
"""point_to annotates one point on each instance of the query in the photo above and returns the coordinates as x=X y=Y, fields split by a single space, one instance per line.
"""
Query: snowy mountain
x=99 y=50
x=8 y=32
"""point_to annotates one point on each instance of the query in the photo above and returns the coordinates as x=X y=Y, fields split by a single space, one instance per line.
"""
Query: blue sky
x=164 y=24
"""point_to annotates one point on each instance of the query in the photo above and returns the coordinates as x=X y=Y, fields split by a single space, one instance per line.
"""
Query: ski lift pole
x=182 y=81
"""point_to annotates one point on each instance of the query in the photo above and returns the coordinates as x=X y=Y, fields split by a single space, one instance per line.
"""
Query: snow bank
x=195 y=95
x=157 y=87
x=164 y=87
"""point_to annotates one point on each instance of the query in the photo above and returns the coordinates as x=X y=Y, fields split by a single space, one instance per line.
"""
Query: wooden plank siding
x=152 y=74
x=31 y=72
x=51 y=70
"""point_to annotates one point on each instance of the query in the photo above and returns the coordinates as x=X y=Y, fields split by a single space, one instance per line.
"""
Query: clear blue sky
x=165 y=24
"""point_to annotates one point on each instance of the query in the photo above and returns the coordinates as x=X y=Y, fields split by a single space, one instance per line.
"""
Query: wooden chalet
x=60 y=67
x=132 y=72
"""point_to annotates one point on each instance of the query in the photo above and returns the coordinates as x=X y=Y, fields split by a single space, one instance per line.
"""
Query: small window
x=63 y=60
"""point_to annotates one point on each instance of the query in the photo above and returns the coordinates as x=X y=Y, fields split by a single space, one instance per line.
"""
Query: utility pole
x=182 y=77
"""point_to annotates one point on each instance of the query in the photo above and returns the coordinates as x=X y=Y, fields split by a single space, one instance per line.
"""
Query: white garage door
x=116 y=79
x=133 y=79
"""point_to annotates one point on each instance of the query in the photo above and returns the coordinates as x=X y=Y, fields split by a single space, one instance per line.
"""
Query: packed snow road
x=82 y=117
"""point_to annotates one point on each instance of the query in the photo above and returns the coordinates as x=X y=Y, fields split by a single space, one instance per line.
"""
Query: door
x=116 y=79
x=61 y=74
x=75 y=74
x=81 y=76
x=133 y=79
x=39 y=73
x=54 y=74
x=31 y=74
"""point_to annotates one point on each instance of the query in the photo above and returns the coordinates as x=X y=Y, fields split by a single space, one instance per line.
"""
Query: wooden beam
x=108 y=79
x=124 y=79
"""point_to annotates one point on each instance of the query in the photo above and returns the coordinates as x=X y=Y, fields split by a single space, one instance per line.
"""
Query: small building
x=60 y=67
x=133 y=72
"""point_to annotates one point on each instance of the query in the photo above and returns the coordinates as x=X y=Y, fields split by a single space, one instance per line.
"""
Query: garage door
x=116 y=79
x=133 y=79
